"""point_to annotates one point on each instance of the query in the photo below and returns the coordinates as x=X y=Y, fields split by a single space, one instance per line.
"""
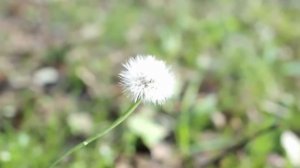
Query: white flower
x=147 y=78
x=291 y=143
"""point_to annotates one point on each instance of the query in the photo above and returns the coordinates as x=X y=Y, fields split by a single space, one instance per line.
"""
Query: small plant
x=144 y=79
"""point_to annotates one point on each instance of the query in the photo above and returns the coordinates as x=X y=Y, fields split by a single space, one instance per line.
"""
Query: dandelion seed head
x=147 y=78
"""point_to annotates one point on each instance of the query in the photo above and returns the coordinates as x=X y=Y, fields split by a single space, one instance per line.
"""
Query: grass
x=237 y=64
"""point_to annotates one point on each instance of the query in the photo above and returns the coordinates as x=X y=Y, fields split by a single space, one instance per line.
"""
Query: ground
x=236 y=62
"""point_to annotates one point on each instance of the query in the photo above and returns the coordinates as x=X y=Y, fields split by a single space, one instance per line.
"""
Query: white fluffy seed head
x=148 y=79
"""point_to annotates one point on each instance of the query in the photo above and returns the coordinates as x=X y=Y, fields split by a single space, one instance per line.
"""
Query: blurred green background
x=237 y=64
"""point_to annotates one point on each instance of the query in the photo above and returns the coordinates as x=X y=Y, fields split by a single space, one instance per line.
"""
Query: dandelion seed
x=148 y=79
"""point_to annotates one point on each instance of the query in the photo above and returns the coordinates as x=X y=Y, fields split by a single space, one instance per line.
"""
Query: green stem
x=99 y=135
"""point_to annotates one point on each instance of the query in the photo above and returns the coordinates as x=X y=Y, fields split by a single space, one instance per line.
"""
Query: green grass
x=238 y=58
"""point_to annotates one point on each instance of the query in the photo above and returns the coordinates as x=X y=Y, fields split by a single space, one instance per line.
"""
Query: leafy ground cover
x=238 y=70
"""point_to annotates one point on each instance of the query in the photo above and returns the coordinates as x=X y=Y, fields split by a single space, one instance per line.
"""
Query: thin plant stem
x=99 y=135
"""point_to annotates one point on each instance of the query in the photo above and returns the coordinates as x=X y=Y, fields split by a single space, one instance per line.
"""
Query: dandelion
x=148 y=79
x=145 y=79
